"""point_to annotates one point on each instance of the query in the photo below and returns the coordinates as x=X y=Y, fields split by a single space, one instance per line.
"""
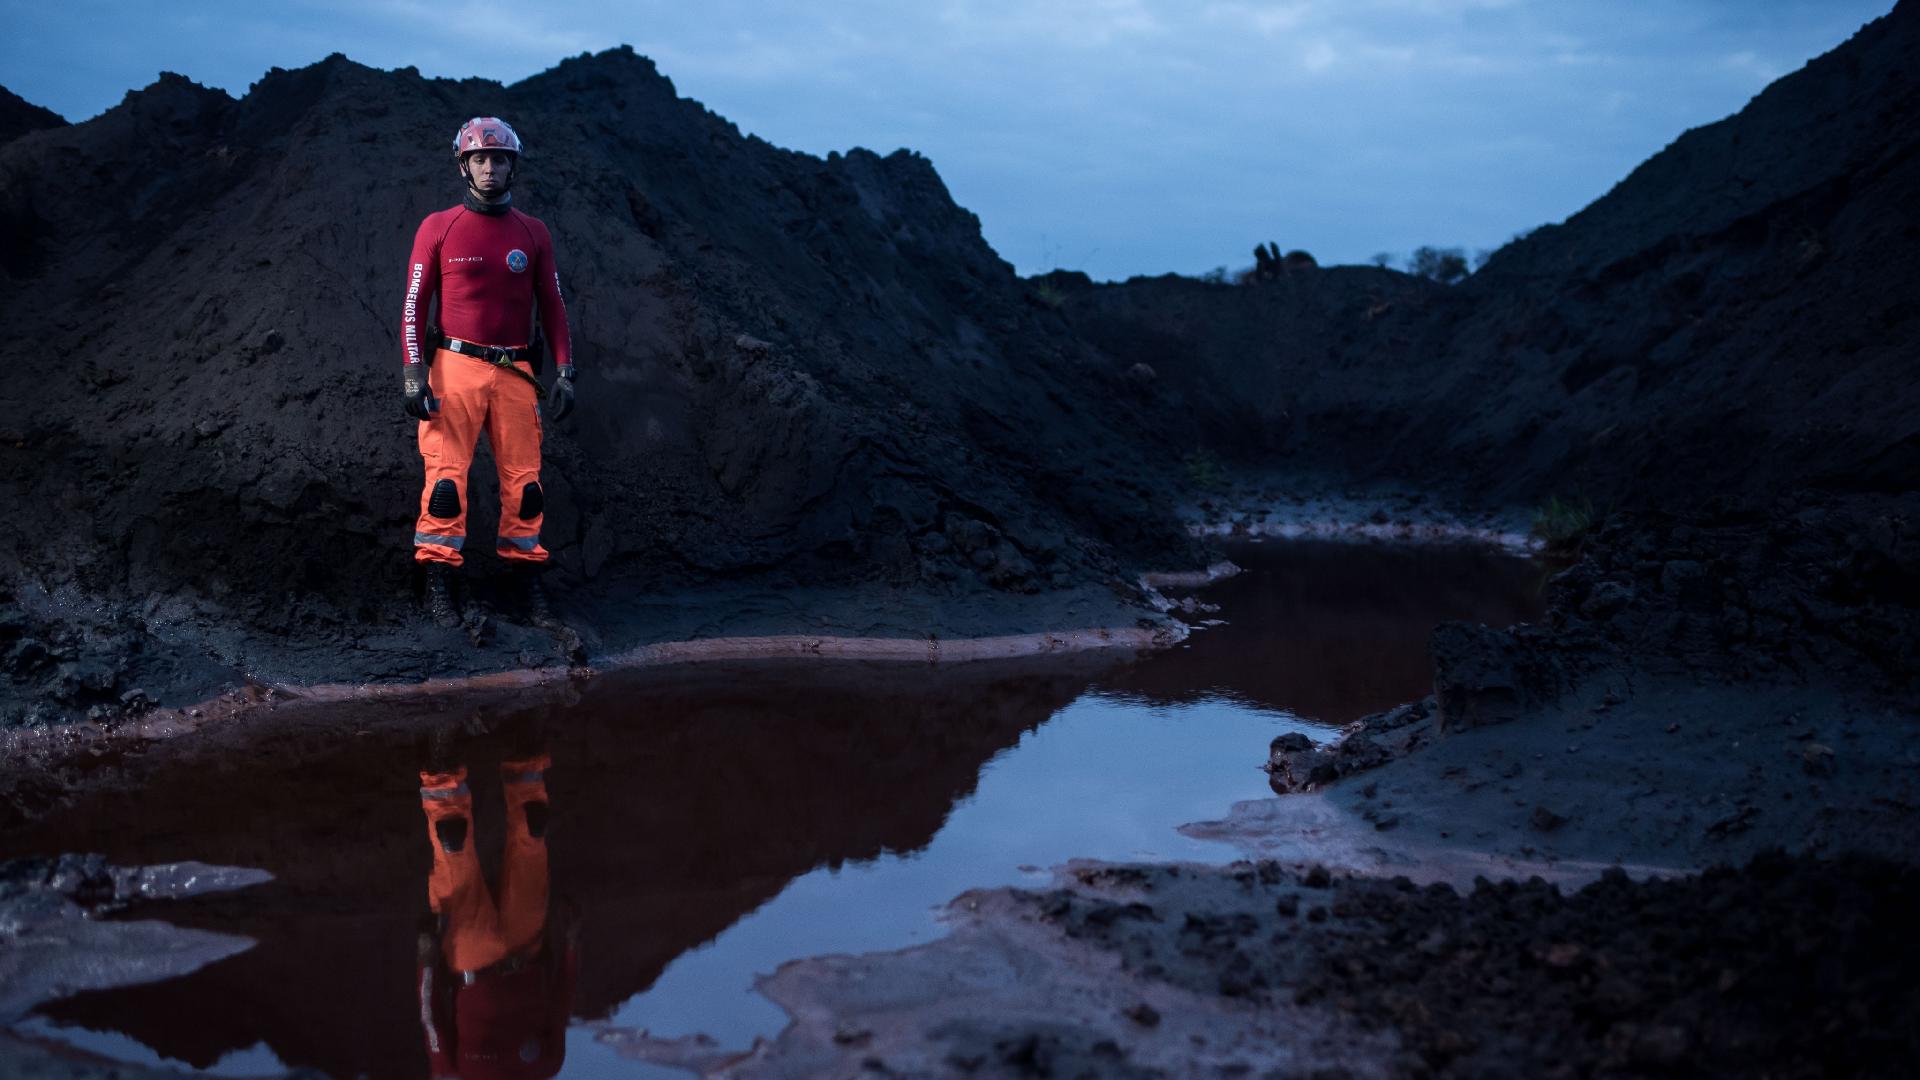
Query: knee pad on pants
x=445 y=502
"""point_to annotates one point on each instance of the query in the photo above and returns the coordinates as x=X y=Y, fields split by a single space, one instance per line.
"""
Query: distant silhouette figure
x=1269 y=264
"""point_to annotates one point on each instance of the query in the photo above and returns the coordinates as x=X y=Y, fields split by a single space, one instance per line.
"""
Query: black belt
x=497 y=356
x=492 y=354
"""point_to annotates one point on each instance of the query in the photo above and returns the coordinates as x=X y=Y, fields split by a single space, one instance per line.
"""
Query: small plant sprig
x=1205 y=471
x=1560 y=523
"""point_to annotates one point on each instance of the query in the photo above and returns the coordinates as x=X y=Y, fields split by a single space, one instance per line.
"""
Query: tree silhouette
x=1444 y=265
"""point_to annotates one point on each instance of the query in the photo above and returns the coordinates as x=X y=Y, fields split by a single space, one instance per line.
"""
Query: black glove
x=420 y=403
x=560 y=400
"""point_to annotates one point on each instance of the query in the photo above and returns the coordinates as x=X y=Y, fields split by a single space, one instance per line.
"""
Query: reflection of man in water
x=495 y=987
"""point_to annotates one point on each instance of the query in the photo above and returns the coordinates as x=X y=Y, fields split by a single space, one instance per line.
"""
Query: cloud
x=1341 y=126
x=1075 y=24
x=1319 y=56
x=1268 y=20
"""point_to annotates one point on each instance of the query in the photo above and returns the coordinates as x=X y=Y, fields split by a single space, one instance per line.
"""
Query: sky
x=1117 y=137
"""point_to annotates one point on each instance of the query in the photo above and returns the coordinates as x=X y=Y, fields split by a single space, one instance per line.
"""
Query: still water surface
x=708 y=825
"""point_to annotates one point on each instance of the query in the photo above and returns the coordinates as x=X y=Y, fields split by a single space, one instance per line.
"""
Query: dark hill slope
x=18 y=117
x=1739 y=314
x=810 y=369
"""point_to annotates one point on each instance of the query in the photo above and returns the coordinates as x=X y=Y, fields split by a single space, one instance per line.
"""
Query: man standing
x=490 y=265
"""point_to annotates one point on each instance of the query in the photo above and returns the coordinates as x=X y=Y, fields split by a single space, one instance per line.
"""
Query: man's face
x=489 y=170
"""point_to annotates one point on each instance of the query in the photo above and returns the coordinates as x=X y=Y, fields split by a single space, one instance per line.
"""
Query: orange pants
x=480 y=932
x=476 y=395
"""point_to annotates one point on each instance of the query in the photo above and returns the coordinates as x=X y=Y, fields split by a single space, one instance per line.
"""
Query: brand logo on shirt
x=468 y=258
x=516 y=260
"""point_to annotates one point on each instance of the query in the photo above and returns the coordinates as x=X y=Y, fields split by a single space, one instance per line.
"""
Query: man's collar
x=493 y=209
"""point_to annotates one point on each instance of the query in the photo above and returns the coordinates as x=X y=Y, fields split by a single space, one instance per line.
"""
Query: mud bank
x=57 y=940
x=1768 y=647
x=62 y=667
x=1706 y=686
x=1320 y=508
x=1788 y=967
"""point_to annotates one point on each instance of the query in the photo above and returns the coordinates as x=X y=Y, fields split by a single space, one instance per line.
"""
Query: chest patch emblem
x=516 y=260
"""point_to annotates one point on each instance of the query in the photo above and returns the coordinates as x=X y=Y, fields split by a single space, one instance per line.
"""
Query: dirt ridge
x=1734 y=316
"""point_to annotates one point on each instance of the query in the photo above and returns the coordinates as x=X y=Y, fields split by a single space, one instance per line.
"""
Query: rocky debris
x=1545 y=820
x=1193 y=605
x=1296 y=763
x=1817 y=759
x=1005 y=993
x=55 y=940
x=101 y=888
x=1778 y=588
x=1788 y=966
x=1791 y=966
x=55 y=668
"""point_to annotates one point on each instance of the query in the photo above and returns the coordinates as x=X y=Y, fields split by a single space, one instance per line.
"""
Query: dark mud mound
x=1287 y=370
x=813 y=370
x=1791 y=591
x=1736 y=315
x=1787 y=967
x=1788 y=588
x=18 y=117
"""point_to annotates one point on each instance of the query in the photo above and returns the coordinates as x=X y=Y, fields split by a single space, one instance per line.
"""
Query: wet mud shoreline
x=733 y=626
x=1642 y=725
x=1666 y=831
x=144 y=720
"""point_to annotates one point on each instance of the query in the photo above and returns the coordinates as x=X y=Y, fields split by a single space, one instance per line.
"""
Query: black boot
x=440 y=603
x=533 y=599
x=443 y=749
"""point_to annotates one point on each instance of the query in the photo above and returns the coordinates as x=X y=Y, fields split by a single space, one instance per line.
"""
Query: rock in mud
x=56 y=943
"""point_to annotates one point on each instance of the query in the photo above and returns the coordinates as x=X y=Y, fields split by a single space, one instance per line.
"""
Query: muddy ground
x=1672 y=831
x=1786 y=967
x=820 y=405
x=1656 y=834
x=811 y=389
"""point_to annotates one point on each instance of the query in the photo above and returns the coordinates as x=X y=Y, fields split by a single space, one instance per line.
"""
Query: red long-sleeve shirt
x=489 y=270
x=511 y=1024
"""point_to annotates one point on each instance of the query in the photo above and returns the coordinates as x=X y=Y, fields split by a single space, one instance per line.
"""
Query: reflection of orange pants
x=476 y=395
x=479 y=932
